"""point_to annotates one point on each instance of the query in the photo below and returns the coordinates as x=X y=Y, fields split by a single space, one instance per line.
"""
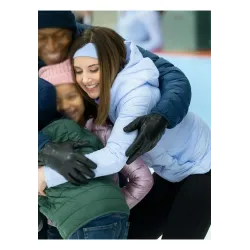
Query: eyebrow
x=66 y=94
x=62 y=30
x=93 y=65
x=71 y=92
x=88 y=66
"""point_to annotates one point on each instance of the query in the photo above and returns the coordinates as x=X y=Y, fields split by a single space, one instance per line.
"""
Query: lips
x=91 y=88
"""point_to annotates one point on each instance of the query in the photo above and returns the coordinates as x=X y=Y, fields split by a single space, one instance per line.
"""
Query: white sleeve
x=112 y=159
x=53 y=178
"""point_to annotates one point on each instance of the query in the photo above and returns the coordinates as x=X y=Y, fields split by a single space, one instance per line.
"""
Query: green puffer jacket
x=70 y=207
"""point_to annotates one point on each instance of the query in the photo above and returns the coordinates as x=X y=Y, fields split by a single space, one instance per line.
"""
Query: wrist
x=162 y=120
x=166 y=122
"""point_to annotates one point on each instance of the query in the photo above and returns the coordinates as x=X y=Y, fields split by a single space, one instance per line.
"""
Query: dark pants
x=174 y=210
x=111 y=226
x=53 y=234
x=43 y=233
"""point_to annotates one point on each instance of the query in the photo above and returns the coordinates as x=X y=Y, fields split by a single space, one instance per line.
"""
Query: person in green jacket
x=97 y=210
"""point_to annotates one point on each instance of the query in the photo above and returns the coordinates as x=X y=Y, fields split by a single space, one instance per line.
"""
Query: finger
x=144 y=148
x=77 y=177
x=150 y=146
x=41 y=192
x=133 y=157
x=80 y=144
x=71 y=179
x=85 y=161
x=75 y=180
x=132 y=125
x=85 y=171
x=135 y=145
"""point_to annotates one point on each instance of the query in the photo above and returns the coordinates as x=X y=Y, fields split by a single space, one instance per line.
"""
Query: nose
x=85 y=79
x=64 y=106
x=51 y=44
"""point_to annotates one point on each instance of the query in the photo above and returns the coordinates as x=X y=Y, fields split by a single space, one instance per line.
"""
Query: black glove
x=150 y=130
x=64 y=158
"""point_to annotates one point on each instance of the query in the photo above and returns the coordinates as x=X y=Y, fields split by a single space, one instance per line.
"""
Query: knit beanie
x=57 y=74
x=56 y=19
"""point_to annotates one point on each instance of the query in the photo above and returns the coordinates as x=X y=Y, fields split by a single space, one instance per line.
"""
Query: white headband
x=87 y=50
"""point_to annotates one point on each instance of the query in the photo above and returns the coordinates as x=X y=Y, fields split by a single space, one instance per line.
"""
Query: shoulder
x=144 y=92
x=140 y=100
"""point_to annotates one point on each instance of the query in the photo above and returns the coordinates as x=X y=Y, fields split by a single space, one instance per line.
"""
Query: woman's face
x=87 y=71
x=70 y=101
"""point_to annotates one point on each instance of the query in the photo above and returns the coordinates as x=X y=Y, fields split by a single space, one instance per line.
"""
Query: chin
x=93 y=96
x=75 y=118
x=49 y=61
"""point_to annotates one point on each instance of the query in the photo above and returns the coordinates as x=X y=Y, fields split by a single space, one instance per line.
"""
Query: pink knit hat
x=57 y=74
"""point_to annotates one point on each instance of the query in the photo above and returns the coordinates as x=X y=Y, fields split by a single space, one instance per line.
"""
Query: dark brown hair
x=111 y=53
x=90 y=108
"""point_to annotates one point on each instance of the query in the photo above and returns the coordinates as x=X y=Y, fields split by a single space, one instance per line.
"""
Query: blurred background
x=181 y=37
x=181 y=30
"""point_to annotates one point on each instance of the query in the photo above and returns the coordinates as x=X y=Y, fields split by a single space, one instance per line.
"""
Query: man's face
x=53 y=44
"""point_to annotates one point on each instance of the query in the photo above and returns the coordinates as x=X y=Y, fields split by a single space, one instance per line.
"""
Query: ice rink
x=198 y=71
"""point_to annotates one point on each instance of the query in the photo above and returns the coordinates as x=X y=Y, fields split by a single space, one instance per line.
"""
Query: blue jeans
x=109 y=227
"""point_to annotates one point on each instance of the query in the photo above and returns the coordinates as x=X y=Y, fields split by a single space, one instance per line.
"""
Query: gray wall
x=182 y=30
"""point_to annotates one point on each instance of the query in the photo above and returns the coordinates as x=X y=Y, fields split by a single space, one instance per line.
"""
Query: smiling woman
x=88 y=76
x=96 y=85
x=179 y=204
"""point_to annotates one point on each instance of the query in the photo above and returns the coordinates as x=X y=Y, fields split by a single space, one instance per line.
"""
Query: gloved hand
x=150 y=130
x=64 y=158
